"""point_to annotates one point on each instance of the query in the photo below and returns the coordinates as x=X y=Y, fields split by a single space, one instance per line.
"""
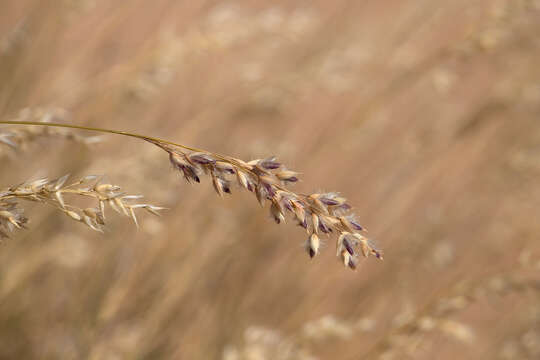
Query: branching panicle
x=267 y=179
x=54 y=193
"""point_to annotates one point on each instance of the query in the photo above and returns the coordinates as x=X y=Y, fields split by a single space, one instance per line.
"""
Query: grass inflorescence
x=267 y=179
x=54 y=192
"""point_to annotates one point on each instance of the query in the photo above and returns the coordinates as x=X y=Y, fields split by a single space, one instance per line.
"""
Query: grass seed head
x=267 y=178
x=56 y=192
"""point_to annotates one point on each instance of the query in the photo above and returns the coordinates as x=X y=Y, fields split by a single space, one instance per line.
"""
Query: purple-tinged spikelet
x=287 y=176
x=347 y=245
x=277 y=212
x=269 y=164
x=313 y=244
x=201 y=158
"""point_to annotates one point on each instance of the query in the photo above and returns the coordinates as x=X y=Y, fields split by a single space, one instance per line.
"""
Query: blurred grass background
x=425 y=114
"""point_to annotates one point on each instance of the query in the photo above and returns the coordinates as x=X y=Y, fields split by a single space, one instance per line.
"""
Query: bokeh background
x=425 y=114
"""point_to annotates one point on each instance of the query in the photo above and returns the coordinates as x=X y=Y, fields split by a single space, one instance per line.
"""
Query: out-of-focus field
x=425 y=114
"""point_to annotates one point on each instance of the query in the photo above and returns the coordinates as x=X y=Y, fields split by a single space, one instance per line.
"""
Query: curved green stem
x=109 y=131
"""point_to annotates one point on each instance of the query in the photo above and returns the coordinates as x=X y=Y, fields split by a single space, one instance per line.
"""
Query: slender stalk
x=153 y=140
x=102 y=130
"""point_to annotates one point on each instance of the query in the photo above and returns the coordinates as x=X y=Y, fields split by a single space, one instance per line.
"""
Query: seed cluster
x=318 y=213
x=54 y=193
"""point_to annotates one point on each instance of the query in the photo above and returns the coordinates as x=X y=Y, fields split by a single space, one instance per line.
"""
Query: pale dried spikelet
x=10 y=217
x=54 y=192
x=319 y=213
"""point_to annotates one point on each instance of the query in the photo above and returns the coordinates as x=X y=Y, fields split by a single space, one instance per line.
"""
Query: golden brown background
x=425 y=114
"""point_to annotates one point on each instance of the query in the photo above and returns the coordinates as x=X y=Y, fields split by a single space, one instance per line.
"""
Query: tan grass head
x=269 y=180
x=320 y=214
x=58 y=193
